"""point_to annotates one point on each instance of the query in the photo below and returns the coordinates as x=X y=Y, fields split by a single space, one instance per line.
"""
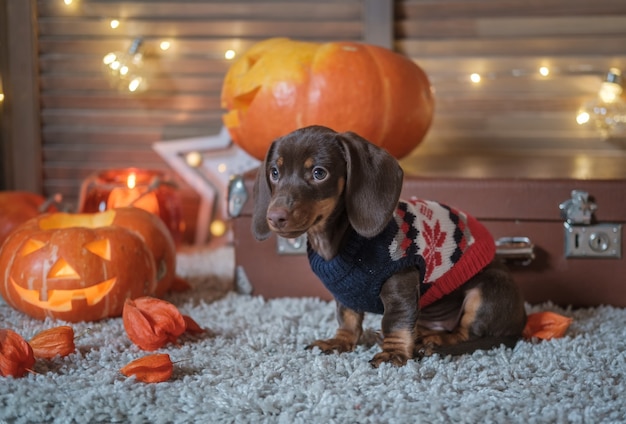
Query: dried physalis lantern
x=546 y=325
x=150 y=369
x=16 y=356
x=152 y=323
x=192 y=327
x=52 y=342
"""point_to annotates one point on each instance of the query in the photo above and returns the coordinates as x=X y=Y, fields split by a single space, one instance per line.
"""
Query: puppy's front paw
x=427 y=346
x=424 y=350
x=392 y=357
x=335 y=345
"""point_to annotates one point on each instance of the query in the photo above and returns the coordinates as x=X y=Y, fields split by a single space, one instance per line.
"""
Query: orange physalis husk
x=151 y=323
x=150 y=369
x=52 y=342
x=546 y=325
x=192 y=326
x=16 y=356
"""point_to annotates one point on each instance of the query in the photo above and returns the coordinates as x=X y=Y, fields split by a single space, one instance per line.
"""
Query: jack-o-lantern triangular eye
x=61 y=269
x=101 y=248
x=31 y=246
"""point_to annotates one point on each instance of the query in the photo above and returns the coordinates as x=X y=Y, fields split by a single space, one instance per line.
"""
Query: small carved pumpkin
x=280 y=85
x=17 y=207
x=82 y=267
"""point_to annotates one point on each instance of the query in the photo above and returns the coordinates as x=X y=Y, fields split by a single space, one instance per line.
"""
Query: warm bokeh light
x=475 y=78
x=583 y=118
x=544 y=71
x=134 y=84
x=114 y=23
x=218 y=228
x=611 y=91
x=165 y=45
x=193 y=159
x=230 y=54
x=109 y=58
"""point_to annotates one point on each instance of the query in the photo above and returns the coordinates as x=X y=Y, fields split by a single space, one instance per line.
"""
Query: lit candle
x=140 y=188
x=142 y=196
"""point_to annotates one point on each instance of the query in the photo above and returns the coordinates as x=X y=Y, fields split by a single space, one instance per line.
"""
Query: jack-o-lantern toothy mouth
x=61 y=300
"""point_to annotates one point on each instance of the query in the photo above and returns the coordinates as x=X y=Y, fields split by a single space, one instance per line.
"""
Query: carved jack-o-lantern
x=81 y=267
x=280 y=85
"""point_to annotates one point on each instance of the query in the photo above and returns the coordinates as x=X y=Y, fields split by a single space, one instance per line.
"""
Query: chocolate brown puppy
x=428 y=268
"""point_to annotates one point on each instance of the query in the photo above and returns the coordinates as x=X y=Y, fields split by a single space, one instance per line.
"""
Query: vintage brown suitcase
x=559 y=222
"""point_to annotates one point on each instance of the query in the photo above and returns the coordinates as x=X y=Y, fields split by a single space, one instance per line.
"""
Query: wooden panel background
x=19 y=114
x=513 y=108
x=85 y=125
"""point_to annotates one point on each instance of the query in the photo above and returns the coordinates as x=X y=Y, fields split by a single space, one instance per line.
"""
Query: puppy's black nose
x=277 y=217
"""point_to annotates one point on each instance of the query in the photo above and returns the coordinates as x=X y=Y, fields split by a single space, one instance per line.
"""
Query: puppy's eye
x=319 y=173
x=274 y=174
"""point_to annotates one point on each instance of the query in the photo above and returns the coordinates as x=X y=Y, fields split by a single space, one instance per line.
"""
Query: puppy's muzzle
x=277 y=217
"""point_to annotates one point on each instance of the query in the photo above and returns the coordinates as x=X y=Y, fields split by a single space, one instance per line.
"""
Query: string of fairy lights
x=606 y=112
x=124 y=69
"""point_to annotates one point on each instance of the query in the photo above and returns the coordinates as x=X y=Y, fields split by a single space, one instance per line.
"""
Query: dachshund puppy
x=428 y=268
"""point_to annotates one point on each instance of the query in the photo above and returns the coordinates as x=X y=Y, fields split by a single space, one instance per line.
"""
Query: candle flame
x=131 y=181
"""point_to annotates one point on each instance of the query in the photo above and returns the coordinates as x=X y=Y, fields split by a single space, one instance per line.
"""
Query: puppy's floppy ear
x=373 y=184
x=261 y=196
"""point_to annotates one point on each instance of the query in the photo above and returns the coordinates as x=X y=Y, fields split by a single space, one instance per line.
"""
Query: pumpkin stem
x=54 y=200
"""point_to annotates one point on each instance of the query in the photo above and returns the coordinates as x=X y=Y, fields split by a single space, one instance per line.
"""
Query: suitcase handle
x=519 y=250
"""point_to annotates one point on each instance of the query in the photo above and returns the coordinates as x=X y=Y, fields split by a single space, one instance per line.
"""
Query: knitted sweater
x=446 y=245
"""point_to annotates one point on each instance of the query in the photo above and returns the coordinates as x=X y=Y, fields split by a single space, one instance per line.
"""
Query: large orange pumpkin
x=17 y=207
x=280 y=85
x=82 y=267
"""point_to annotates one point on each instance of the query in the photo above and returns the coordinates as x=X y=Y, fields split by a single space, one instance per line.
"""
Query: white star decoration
x=207 y=165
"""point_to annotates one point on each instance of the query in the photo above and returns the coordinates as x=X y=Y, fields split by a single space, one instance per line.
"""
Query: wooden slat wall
x=514 y=108
x=19 y=117
x=86 y=125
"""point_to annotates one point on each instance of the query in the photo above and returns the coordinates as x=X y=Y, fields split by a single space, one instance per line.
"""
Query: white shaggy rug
x=255 y=369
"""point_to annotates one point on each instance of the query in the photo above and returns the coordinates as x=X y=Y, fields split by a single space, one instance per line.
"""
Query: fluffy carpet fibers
x=254 y=368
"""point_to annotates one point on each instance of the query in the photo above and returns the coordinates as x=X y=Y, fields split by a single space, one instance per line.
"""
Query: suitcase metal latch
x=579 y=209
x=518 y=250
x=584 y=239
x=237 y=195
